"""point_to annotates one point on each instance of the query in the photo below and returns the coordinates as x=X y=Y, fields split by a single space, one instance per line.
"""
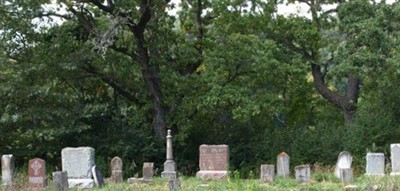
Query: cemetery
x=79 y=172
x=200 y=95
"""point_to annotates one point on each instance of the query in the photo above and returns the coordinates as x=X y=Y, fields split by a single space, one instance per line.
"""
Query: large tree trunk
x=348 y=103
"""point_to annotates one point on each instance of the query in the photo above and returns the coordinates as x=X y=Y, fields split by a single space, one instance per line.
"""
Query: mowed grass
x=319 y=182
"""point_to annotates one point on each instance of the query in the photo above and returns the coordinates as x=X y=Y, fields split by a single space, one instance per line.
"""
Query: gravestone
x=267 y=173
x=98 y=176
x=37 y=174
x=395 y=159
x=344 y=162
x=302 y=173
x=346 y=175
x=116 y=170
x=169 y=165
x=7 y=171
x=213 y=162
x=60 y=181
x=282 y=165
x=174 y=184
x=375 y=164
x=78 y=163
x=148 y=171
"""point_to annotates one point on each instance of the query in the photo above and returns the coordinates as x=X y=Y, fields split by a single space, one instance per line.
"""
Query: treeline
x=115 y=75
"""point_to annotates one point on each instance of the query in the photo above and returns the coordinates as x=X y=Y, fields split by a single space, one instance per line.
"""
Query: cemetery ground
x=320 y=180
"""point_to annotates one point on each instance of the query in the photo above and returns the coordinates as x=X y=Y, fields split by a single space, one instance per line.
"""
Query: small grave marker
x=60 y=180
x=98 y=176
x=267 y=173
x=302 y=173
x=395 y=159
x=7 y=171
x=37 y=173
x=116 y=170
x=344 y=162
x=282 y=165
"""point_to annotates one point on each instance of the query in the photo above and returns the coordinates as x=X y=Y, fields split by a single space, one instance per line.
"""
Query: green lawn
x=318 y=183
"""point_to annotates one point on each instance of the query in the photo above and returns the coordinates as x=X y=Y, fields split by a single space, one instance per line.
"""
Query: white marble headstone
x=344 y=162
x=395 y=158
x=375 y=164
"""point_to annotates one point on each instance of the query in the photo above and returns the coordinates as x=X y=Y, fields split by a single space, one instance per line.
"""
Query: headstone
x=148 y=171
x=346 y=175
x=60 y=180
x=169 y=165
x=395 y=159
x=344 y=161
x=282 y=165
x=98 y=176
x=375 y=164
x=7 y=171
x=78 y=163
x=116 y=170
x=302 y=173
x=267 y=173
x=213 y=162
x=37 y=174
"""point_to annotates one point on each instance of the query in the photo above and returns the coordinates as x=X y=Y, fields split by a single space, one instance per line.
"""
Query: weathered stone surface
x=37 y=174
x=98 y=176
x=282 y=165
x=116 y=170
x=267 y=173
x=60 y=181
x=148 y=170
x=169 y=165
x=213 y=162
x=302 y=173
x=351 y=188
x=78 y=162
x=81 y=183
x=174 y=184
x=7 y=171
x=344 y=162
x=375 y=164
x=395 y=159
x=138 y=180
x=346 y=174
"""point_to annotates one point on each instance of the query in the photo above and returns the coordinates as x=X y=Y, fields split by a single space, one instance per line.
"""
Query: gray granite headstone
x=116 y=170
x=344 y=162
x=282 y=165
x=213 y=162
x=375 y=164
x=148 y=171
x=7 y=171
x=267 y=173
x=60 y=181
x=78 y=163
x=302 y=173
x=395 y=159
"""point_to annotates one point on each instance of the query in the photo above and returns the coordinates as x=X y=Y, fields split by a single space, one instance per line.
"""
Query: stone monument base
x=212 y=174
x=81 y=183
x=374 y=174
x=138 y=180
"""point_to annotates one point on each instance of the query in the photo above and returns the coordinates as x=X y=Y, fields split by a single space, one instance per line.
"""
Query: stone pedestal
x=169 y=170
x=375 y=164
x=267 y=173
x=116 y=170
x=81 y=183
x=302 y=173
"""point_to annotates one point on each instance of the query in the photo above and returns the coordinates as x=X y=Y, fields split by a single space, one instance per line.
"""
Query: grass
x=320 y=181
